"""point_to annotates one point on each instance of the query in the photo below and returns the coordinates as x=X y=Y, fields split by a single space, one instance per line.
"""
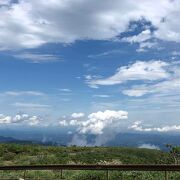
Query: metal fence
x=124 y=167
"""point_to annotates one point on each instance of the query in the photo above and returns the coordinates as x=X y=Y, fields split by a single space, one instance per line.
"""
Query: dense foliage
x=15 y=154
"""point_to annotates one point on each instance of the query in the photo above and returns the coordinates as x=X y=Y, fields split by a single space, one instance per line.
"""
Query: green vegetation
x=15 y=154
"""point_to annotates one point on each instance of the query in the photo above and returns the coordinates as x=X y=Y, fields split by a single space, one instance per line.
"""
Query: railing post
x=61 y=174
x=166 y=175
x=107 y=175
x=24 y=176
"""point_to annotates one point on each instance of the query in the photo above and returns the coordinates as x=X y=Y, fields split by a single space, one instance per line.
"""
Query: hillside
x=16 y=154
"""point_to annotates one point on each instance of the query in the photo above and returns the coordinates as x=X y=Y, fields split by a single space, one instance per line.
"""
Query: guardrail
x=107 y=168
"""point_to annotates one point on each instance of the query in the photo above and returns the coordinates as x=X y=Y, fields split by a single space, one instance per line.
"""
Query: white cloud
x=98 y=121
x=33 y=121
x=5 y=119
x=106 y=53
x=63 y=122
x=70 y=122
x=77 y=115
x=168 y=28
x=141 y=37
x=103 y=124
x=140 y=70
x=101 y=95
x=149 y=146
x=170 y=85
x=138 y=127
x=30 y=105
x=31 y=23
x=20 y=118
x=23 y=93
x=74 y=122
x=143 y=46
x=65 y=90
x=144 y=40
x=37 y=58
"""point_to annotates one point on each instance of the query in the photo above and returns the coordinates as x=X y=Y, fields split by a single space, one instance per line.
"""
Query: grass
x=15 y=154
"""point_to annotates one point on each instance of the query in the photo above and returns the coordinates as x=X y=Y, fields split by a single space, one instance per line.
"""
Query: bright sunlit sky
x=90 y=64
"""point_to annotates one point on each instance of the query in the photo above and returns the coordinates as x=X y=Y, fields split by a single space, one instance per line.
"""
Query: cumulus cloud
x=69 y=122
x=74 y=122
x=20 y=118
x=140 y=70
x=98 y=121
x=95 y=122
x=30 y=23
x=77 y=115
x=63 y=122
x=75 y=119
x=137 y=126
x=103 y=125
x=5 y=119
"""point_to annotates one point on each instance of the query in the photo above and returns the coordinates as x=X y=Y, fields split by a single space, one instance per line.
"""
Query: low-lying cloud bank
x=149 y=146
x=20 y=118
x=137 y=126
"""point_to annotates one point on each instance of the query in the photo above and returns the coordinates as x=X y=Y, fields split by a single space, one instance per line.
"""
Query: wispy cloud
x=105 y=53
x=30 y=105
x=169 y=85
x=140 y=70
x=65 y=90
x=37 y=58
x=101 y=95
x=23 y=93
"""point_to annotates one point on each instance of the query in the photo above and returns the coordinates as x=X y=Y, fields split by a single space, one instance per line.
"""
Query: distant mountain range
x=139 y=139
x=146 y=140
x=17 y=141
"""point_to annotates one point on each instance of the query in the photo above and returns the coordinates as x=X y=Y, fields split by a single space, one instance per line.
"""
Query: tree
x=174 y=153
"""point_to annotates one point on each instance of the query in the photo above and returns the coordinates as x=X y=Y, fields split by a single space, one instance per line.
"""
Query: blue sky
x=90 y=66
